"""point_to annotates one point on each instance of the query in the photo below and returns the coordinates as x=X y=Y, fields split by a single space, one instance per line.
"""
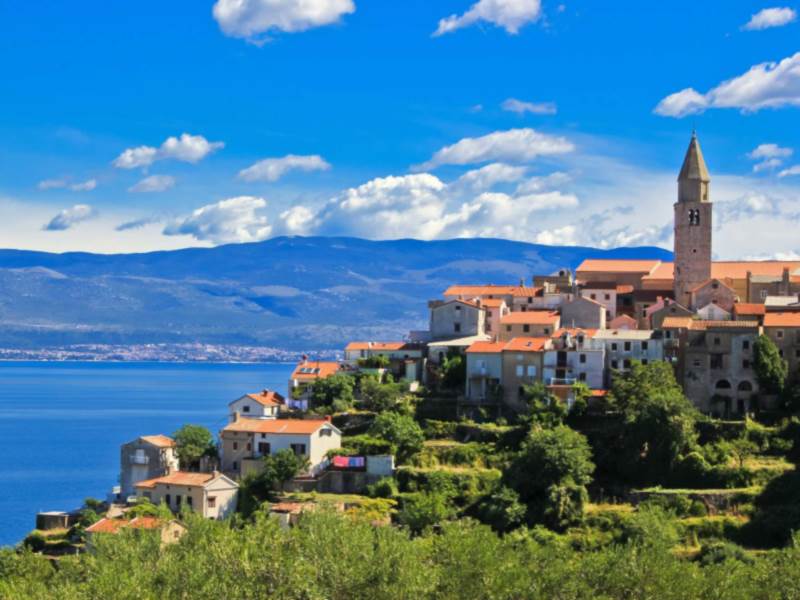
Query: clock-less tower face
x=693 y=225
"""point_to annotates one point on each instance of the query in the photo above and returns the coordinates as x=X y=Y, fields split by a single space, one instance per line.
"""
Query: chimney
x=215 y=473
x=328 y=418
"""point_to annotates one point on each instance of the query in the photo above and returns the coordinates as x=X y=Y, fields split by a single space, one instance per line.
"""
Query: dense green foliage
x=329 y=556
x=333 y=392
x=401 y=431
x=276 y=469
x=192 y=443
x=771 y=370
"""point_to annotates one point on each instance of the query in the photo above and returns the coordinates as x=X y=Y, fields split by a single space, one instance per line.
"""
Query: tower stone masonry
x=693 y=225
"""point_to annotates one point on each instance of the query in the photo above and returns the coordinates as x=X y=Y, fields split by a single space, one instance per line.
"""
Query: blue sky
x=393 y=131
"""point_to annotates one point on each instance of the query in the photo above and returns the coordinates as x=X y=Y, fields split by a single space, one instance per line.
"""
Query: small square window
x=526 y=328
x=582 y=377
x=779 y=334
x=583 y=358
x=614 y=364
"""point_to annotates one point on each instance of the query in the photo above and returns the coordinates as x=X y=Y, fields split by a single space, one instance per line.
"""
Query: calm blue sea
x=61 y=424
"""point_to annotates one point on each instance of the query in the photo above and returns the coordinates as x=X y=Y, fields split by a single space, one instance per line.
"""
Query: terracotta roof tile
x=106 y=525
x=277 y=426
x=676 y=323
x=486 y=347
x=162 y=441
x=782 y=319
x=592 y=265
x=179 y=478
x=492 y=302
x=480 y=290
x=747 y=308
x=268 y=398
x=531 y=317
x=314 y=369
x=526 y=344
x=378 y=346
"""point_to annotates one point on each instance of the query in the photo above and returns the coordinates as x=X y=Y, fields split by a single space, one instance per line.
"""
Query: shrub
x=403 y=432
x=35 y=541
x=364 y=445
x=502 y=510
x=423 y=510
x=435 y=430
x=383 y=488
x=720 y=552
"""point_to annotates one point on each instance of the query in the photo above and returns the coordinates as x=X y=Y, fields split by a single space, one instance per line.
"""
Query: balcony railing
x=562 y=381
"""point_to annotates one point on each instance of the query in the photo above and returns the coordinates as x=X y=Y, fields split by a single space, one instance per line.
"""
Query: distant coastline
x=162 y=353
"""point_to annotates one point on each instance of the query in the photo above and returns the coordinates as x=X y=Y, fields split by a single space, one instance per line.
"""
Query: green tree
x=502 y=510
x=336 y=389
x=741 y=449
x=276 y=469
x=544 y=408
x=424 y=509
x=192 y=443
x=379 y=396
x=454 y=371
x=551 y=473
x=402 y=431
x=658 y=423
x=771 y=370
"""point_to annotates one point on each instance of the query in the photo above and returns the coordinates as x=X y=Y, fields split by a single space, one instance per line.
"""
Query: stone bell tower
x=692 y=225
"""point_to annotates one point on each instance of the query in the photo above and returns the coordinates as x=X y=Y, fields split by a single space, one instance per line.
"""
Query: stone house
x=663 y=308
x=783 y=328
x=522 y=362
x=712 y=312
x=484 y=370
x=714 y=291
x=714 y=361
x=146 y=457
x=211 y=495
x=536 y=323
x=622 y=347
x=170 y=531
x=303 y=377
x=583 y=313
x=473 y=293
x=573 y=358
x=245 y=441
x=456 y=319
x=604 y=292
x=495 y=309
x=265 y=404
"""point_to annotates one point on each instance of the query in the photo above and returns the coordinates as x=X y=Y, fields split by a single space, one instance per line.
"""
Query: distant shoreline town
x=163 y=353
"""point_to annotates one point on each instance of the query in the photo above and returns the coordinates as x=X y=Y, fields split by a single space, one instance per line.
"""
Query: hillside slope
x=285 y=292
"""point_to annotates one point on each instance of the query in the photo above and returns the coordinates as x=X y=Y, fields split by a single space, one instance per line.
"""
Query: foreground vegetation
x=338 y=557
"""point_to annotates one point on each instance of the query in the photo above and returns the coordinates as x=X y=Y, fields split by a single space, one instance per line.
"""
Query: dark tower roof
x=694 y=165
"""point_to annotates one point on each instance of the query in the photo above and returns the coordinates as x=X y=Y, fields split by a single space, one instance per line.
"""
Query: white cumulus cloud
x=153 y=183
x=239 y=219
x=272 y=169
x=795 y=170
x=513 y=145
x=64 y=183
x=186 y=148
x=771 y=17
x=511 y=15
x=766 y=85
x=521 y=107
x=770 y=156
x=69 y=217
x=253 y=19
x=487 y=177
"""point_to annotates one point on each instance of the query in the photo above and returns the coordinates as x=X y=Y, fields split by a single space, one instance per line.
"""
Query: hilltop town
x=577 y=410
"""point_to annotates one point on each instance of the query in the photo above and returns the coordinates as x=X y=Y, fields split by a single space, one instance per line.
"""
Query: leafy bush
x=403 y=432
x=502 y=510
x=383 y=488
x=435 y=430
x=35 y=541
x=420 y=511
x=462 y=487
x=364 y=445
x=720 y=552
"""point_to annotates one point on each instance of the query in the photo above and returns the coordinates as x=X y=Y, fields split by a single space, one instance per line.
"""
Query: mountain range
x=291 y=293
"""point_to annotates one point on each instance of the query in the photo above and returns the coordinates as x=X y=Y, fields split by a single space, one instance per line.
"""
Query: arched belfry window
x=694 y=216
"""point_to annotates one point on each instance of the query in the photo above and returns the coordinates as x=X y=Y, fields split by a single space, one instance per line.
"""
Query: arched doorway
x=744 y=392
x=722 y=395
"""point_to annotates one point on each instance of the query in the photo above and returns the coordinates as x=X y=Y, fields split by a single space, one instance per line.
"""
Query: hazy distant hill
x=286 y=292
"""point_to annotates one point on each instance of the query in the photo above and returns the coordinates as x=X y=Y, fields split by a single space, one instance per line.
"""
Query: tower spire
x=694 y=178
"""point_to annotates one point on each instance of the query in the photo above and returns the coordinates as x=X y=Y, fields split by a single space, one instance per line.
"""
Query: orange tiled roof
x=523 y=292
x=726 y=282
x=782 y=319
x=624 y=289
x=747 y=308
x=619 y=320
x=492 y=302
x=480 y=290
x=531 y=317
x=106 y=525
x=486 y=347
x=385 y=346
x=676 y=323
x=268 y=398
x=526 y=344
x=162 y=441
x=593 y=265
x=179 y=478
x=277 y=426
x=318 y=369
x=731 y=269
